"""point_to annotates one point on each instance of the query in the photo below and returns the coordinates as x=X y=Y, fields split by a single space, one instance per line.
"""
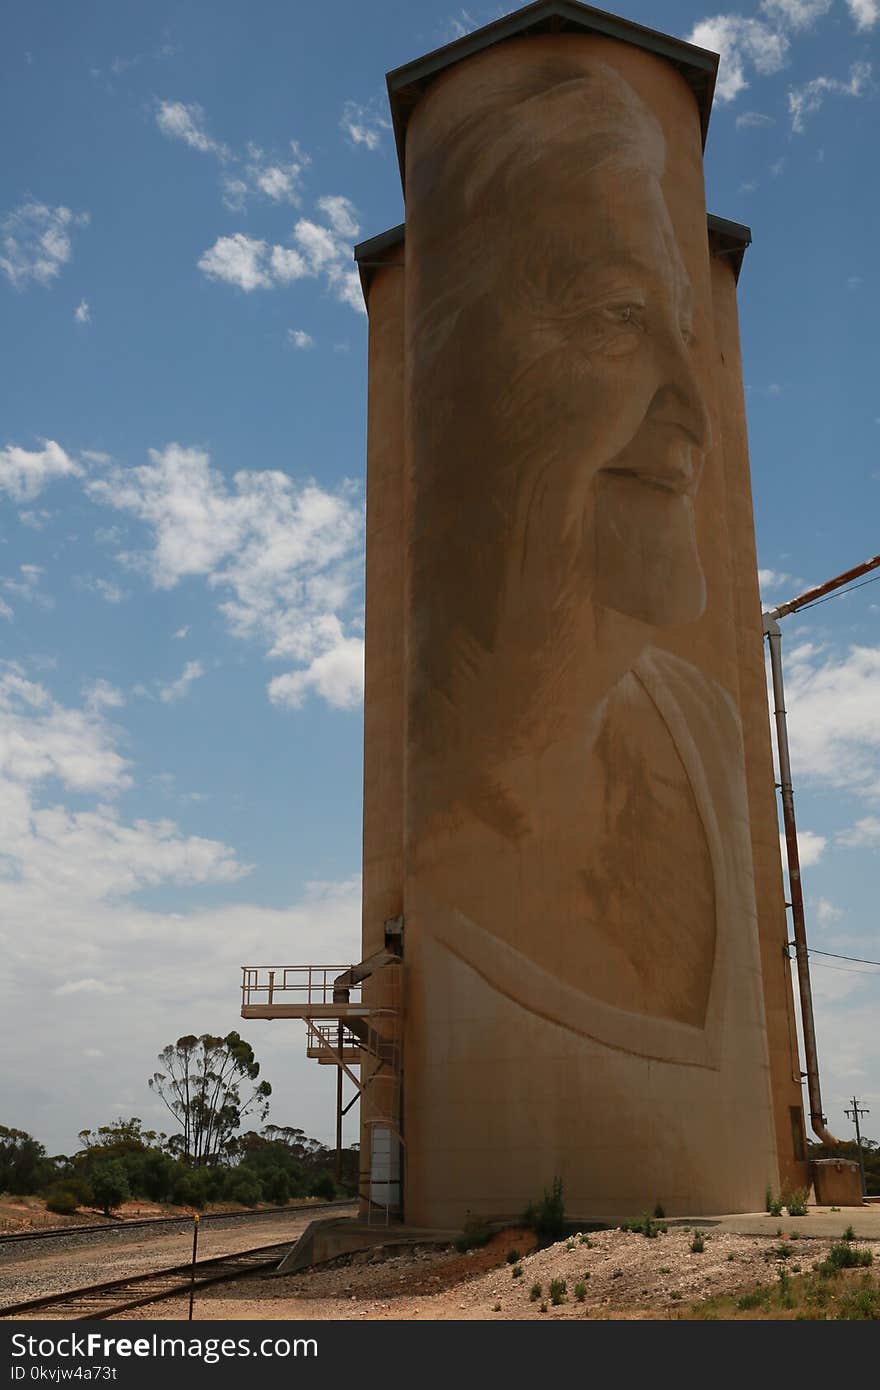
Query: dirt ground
x=613 y=1274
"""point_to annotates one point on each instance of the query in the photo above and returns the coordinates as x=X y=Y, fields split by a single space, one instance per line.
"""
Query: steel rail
x=56 y=1232
x=167 y=1282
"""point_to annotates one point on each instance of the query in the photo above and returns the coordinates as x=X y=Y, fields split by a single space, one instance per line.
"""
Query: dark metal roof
x=729 y=239
x=725 y=239
x=406 y=84
x=379 y=251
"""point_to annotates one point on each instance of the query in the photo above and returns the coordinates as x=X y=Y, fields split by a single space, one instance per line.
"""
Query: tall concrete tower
x=568 y=781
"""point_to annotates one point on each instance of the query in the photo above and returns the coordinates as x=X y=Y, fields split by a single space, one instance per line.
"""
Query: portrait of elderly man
x=578 y=814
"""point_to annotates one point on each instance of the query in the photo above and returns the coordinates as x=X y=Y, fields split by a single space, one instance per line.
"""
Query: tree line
x=209 y=1084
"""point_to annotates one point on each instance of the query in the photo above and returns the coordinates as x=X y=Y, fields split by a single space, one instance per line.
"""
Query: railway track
x=96 y=1301
x=59 y=1232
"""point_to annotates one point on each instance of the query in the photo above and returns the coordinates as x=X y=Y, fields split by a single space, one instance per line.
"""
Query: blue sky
x=181 y=500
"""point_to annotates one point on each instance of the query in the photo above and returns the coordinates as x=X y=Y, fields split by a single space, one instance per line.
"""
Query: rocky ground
x=606 y=1274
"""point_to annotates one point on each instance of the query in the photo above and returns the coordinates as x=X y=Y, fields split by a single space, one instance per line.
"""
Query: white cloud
x=239 y=260
x=102 y=695
x=742 y=44
x=82 y=313
x=300 y=338
x=771 y=582
x=341 y=214
x=752 y=119
x=805 y=101
x=25 y=473
x=27 y=587
x=865 y=834
x=337 y=675
x=319 y=251
x=35 y=242
x=87 y=986
x=285 y=557
x=109 y=591
x=826 y=913
x=185 y=122
x=35 y=518
x=287 y=265
x=799 y=14
x=363 y=125
x=42 y=740
x=811 y=847
x=865 y=13
x=180 y=634
x=192 y=671
x=833 y=707
x=278 y=181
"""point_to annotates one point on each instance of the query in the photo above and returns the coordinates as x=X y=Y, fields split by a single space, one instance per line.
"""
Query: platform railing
x=293 y=984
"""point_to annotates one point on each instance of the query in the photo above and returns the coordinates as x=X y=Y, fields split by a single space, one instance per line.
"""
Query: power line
x=839 y=593
x=843 y=969
x=859 y=960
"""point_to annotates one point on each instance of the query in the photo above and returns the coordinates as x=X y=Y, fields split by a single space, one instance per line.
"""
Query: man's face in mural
x=606 y=360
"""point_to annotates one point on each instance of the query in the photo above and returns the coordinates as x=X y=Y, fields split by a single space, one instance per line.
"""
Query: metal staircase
x=353 y=1018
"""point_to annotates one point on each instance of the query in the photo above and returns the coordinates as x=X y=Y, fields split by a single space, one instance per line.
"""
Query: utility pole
x=774 y=636
x=854 y=1114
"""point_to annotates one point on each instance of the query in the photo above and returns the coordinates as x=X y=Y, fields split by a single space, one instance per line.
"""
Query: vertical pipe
x=339 y=1107
x=817 y=1118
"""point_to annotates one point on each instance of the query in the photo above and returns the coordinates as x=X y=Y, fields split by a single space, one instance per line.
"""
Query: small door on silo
x=384 y=1167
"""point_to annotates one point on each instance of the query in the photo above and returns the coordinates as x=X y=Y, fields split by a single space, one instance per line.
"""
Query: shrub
x=849 y=1234
x=535 y=1293
x=845 y=1255
x=547 y=1217
x=773 y=1204
x=558 y=1289
x=476 y=1232
x=62 y=1203
x=861 y=1306
x=517 y=1271
x=245 y=1188
x=513 y=1256
x=756 y=1298
x=276 y=1186
x=698 y=1244
x=795 y=1202
x=659 y=1211
x=580 y=1292
x=109 y=1185
x=646 y=1226
x=324 y=1187
x=191 y=1188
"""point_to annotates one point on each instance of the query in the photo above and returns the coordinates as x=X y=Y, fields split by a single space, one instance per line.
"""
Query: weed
x=513 y=1256
x=675 y=1295
x=535 y=1293
x=580 y=1292
x=849 y=1234
x=659 y=1211
x=496 y=1308
x=782 y=1251
x=731 y=1258
x=773 y=1204
x=698 y=1244
x=476 y=1232
x=755 y=1298
x=543 y=1307
x=861 y=1306
x=517 y=1271
x=569 y=1245
x=844 y=1255
x=547 y=1217
x=795 y=1202
x=664 y=1269
x=645 y=1226
x=558 y=1290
